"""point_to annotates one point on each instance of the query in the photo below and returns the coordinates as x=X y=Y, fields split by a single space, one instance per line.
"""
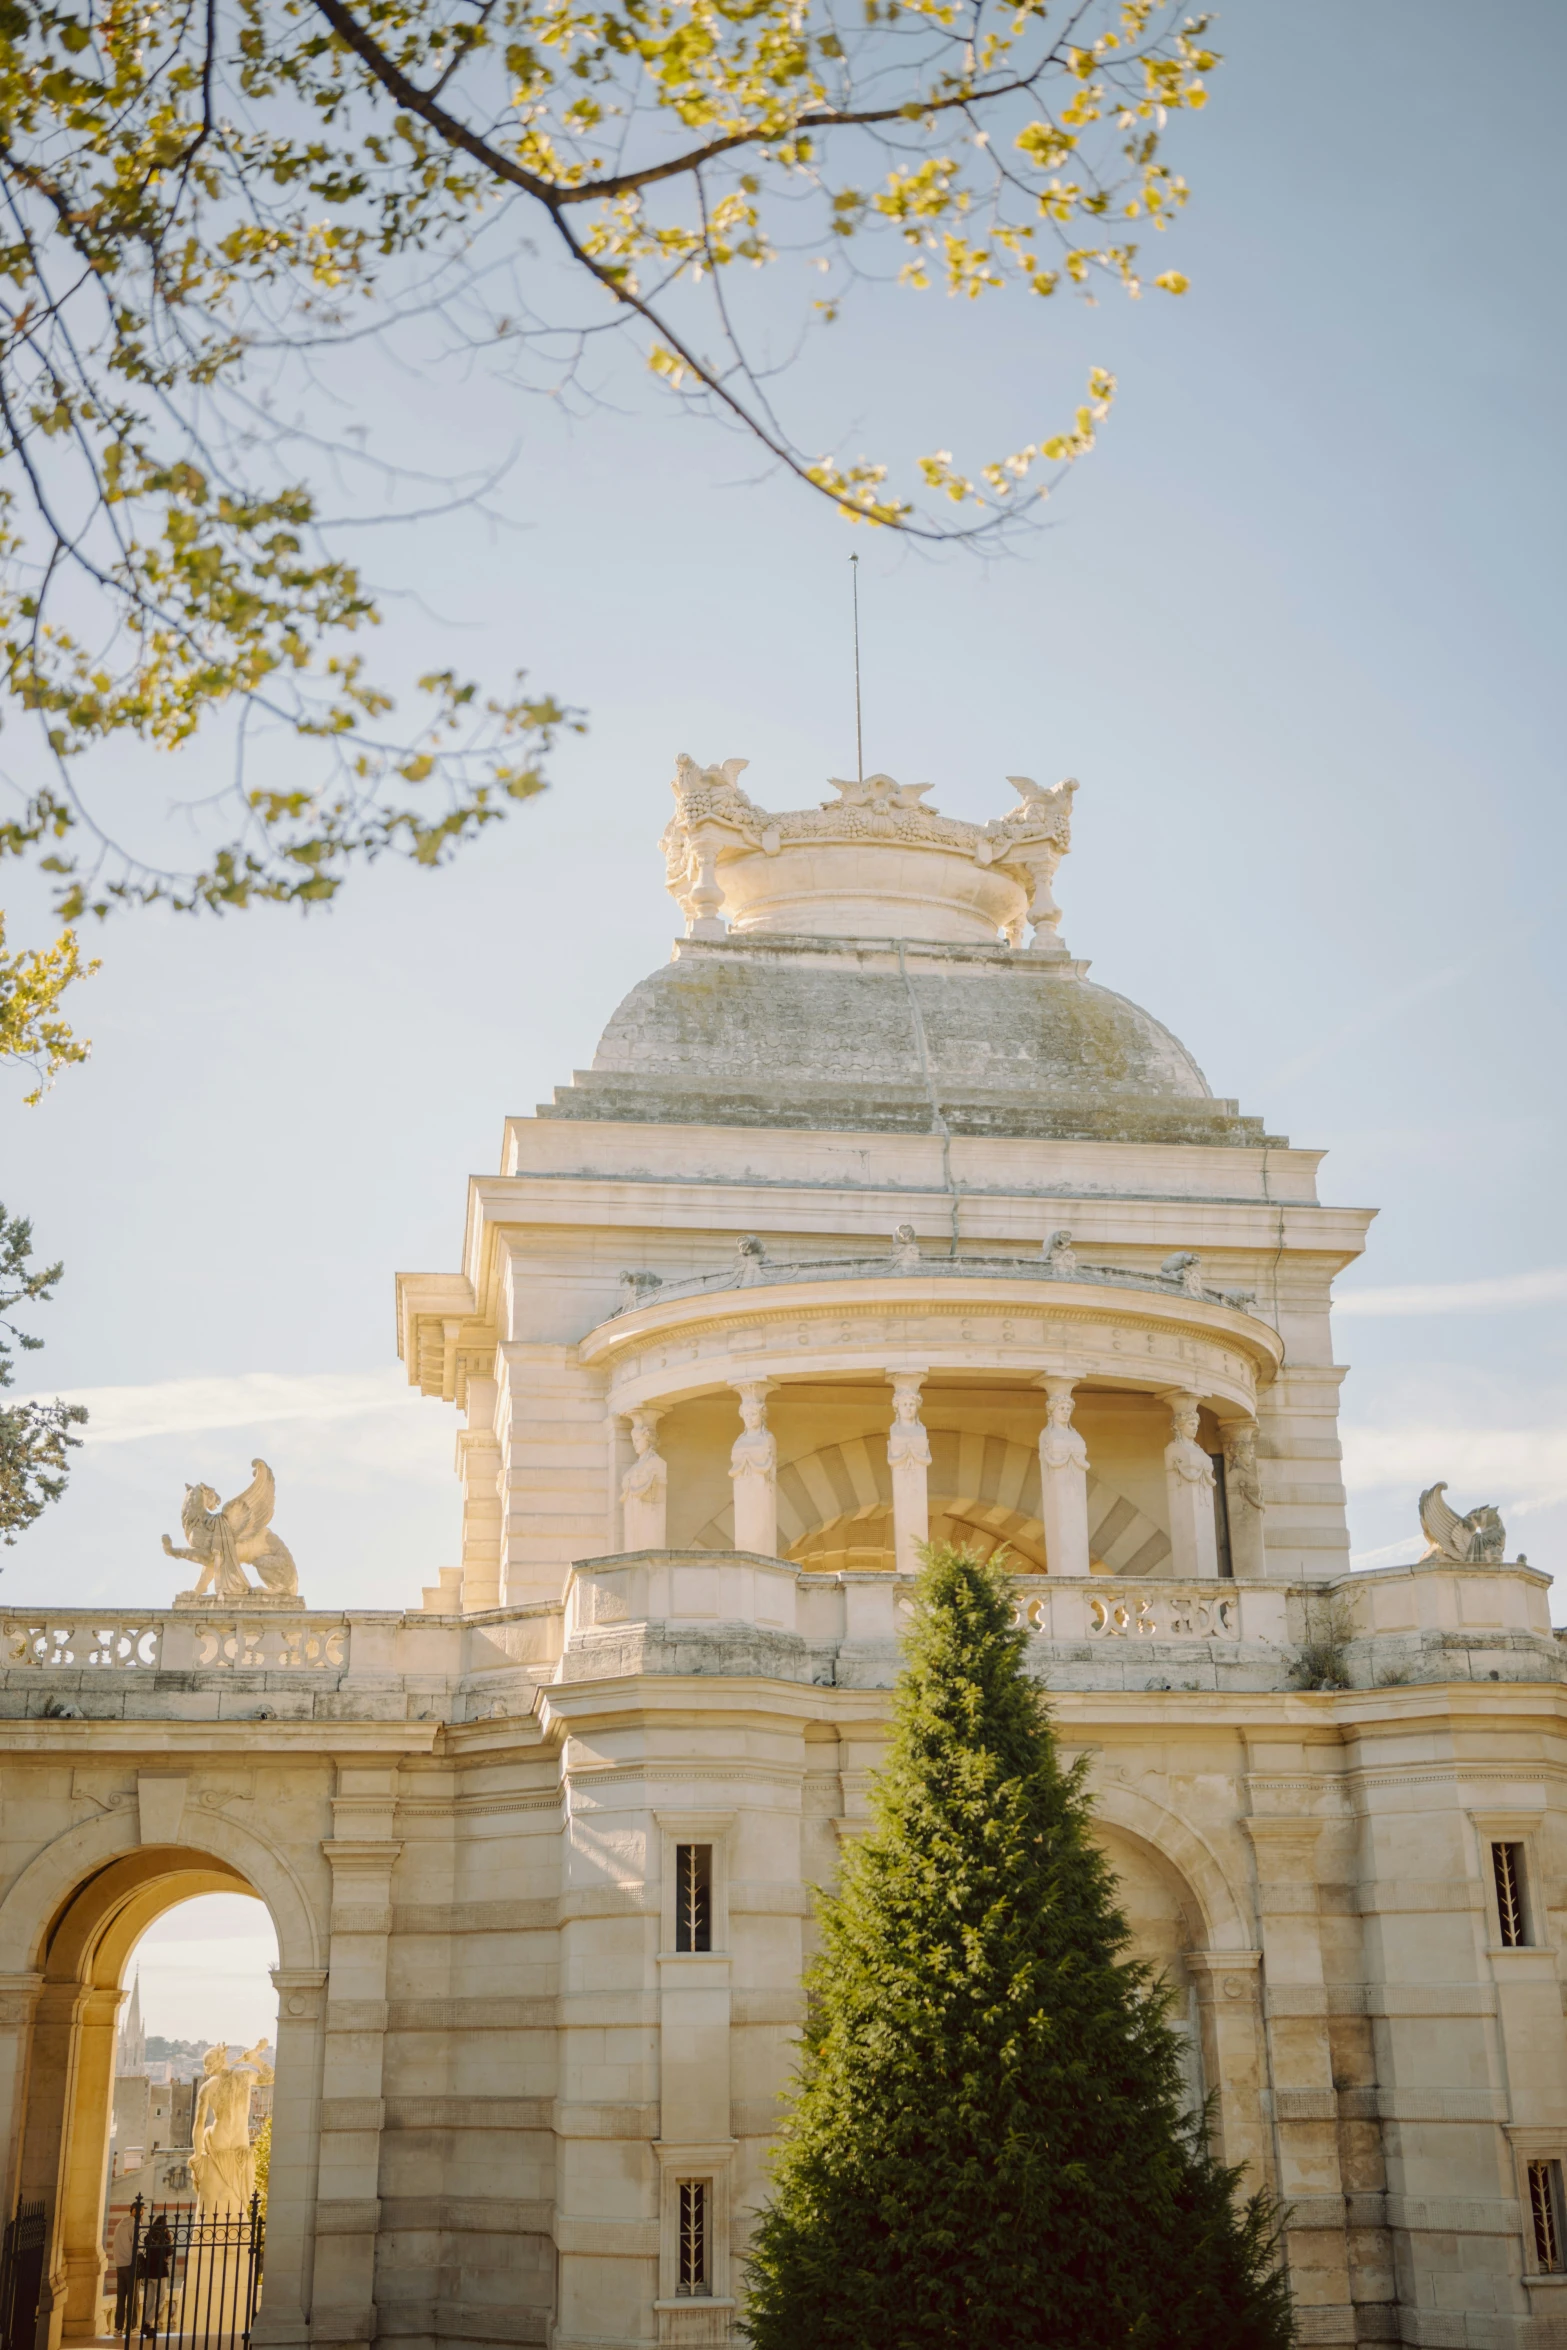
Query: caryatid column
x=908 y=1457
x=1063 y=1481
x=1243 y=1498
x=1189 y=1485
x=753 y=1465
x=644 y=1490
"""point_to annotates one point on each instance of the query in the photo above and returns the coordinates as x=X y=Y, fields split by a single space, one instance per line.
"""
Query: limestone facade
x=874 y=1220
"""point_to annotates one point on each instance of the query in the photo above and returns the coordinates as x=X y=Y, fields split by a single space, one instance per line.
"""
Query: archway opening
x=88 y=1963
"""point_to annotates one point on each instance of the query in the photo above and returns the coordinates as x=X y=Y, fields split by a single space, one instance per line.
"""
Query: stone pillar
x=753 y=1465
x=644 y=1490
x=296 y=2150
x=908 y=1457
x=1300 y=2070
x=78 y=2262
x=362 y=1853
x=1063 y=1482
x=45 y=2148
x=1243 y=1498
x=18 y=2005
x=479 y=1465
x=1188 y=1475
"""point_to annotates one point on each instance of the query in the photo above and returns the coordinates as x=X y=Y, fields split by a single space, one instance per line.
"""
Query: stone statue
x=752 y=1254
x=908 y=1457
x=905 y=1249
x=1060 y=1255
x=1478 y=1540
x=226 y=1538
x=223 y=2161
x=644 y=1489
x=1185 y=1267
x=1061 y=1445
x=753 y=1465
x=636 y=1288
x=1063 y=1481
x=908 y=1439
x=1189 y=1485
x=1184 y=1457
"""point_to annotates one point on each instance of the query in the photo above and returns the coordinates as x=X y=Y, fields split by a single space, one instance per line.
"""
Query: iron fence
x=195 y=2277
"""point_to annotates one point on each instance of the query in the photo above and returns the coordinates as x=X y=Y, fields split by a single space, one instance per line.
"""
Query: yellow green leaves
x=31 y=1029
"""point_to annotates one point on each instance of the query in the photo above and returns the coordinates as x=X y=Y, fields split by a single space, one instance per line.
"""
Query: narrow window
x=1545 y=2213
x=1507 y=1868
x=693 y=1897
x=1221 y=1515
x=695 y=2274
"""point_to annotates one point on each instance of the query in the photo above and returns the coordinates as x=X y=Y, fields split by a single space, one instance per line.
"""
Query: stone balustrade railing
x=741 y=1612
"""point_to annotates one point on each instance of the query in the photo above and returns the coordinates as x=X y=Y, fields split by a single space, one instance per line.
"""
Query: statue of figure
x=906 y=1249
x=1240 y=1463
x=908 y=1439
x=753 y=1465
x=223 y=2161
x=1061 y=1445
x=1060 y=1255
x=636 y=1288
x=752 y=1254
x=1184 y=1458
x=644 y=1489
x=1478 y=1540
x=1185 y=1267
x=755 y=1450
x=225 y=1539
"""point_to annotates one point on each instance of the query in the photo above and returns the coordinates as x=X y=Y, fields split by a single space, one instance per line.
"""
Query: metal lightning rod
x=859 y=736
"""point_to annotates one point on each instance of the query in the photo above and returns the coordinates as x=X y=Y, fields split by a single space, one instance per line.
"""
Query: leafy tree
x=34 y=1437
x=988 y=2144
x=205 y=200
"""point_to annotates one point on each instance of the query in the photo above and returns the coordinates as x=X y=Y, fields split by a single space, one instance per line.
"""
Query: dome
x=922 y=1017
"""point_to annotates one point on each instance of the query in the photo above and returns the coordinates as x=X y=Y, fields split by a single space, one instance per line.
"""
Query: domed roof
x=922 y=1019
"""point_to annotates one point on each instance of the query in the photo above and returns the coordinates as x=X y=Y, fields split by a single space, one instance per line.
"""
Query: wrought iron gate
x=197 y=2277
x=21 y=2274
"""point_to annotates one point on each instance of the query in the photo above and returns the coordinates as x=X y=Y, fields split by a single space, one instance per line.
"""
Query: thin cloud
x=252 y=1399
x=1546 y=1287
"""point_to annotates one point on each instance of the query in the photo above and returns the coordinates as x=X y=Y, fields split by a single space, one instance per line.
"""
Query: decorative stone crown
x=873 y=863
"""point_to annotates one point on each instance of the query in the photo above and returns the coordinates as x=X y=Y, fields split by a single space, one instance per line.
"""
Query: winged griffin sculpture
x=1478 y=1540
x=226 y=1537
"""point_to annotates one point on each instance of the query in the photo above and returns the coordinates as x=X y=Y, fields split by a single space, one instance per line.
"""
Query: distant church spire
x=133 y=2035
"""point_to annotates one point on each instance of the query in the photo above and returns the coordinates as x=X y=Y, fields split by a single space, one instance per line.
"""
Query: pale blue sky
x=1295 y=626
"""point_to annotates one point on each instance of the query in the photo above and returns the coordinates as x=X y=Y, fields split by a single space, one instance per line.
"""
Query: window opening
x=695 y=2275
x=693 y=1897
x=1545 y=2211
x=1507 y=1868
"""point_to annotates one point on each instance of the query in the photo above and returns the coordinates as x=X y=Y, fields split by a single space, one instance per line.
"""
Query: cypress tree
x=988 y=2147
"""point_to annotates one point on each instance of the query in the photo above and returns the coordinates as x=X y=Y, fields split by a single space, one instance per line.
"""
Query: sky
x=1295 y=625
x=203 y=1971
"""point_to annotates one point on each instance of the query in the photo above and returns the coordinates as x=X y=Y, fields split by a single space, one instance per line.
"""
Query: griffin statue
x=1479 y=1540
x=226 y=1538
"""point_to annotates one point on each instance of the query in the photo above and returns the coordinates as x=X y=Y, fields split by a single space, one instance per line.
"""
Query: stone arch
x=1143 y=1818
x=837 y=1498
x=68 y=1924
x=43 y=1890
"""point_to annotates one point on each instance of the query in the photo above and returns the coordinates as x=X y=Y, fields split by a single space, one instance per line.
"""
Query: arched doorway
x=57 y=2060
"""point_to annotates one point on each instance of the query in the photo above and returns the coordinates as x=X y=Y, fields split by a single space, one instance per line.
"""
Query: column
x=79 y=2257
x=18 y=2003
x=1300 y=2067
x=753 y=1465
x=46 y=2144
x=644 y=1489
x=1063 y=1481
x=908 y=1457
x=1188 y=1475
x=296 y=2147
x=362 y=1853
x=1243 y=1498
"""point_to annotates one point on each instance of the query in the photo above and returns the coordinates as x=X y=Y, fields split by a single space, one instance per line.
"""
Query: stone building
x=874 y=1218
